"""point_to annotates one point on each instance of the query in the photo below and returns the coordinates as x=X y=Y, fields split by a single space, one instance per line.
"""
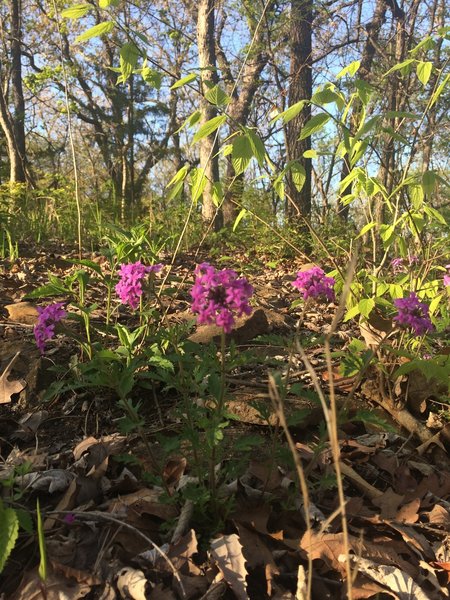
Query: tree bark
x=299 y=202
x=208 y=145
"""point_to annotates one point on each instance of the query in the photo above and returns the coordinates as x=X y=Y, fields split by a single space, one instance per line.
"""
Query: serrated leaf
x=428 y=181
x=400 y=66
x=400 y=114
x=96 y=31
x=367 y=227
x=328 y=96
x=350 y=69
x=298 y=174
x=217 y=96
x=129 y=54
x=9 y=531
x=108 y=3
x=351 y=313
x=366 y=305
x=197 y=183
x=314 y=125
x=77 y=11
x=259 y=151
x=151 y=76
x=291 y=112
x=440 y=89
x=239 y=218
x=209 y=127
x=184 y=81
x=242 y=154
x=423 y=70
x=217 y=193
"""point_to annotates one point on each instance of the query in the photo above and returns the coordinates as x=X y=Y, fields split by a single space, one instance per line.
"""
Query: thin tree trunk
x=17 y=91
x=299 y=202
x=208 y=145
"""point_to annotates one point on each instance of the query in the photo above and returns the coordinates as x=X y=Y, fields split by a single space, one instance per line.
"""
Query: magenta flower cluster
x=129 y=288
x=313 y=283
x=400 y=265
x=413 y=314
x=447 y=276
x=44 y=329
x=217 y=296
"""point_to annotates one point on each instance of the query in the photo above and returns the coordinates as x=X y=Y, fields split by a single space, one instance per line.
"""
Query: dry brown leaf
x=56 y=587
x=227 y=552
x=445 y=566
x=131 y=584
x=393 y=578
x=23 y=312
x=8 y=387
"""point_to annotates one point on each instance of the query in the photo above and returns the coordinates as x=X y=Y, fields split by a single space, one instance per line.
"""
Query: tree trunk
x=208 y=145
x=373 y=33
x=13 y=123
x=299 y=202
x=17 y=91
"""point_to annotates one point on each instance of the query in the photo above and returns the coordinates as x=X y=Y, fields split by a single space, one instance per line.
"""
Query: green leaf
x=259 y=151
x=209 y=127
x=400 y=114
x=400 y=66
x=9 y=531
x=328 y=96
x=314 y=125
x=310 y=154
x=77 y=11
x=129 y=54
x=217 y=96
x=96 y=31
x=350 y=69
x=184 y=81
x=367 y=227
x=151 y=76
x=108 y=3
x=217 y=193
x=428 y=182
x=197 y=183
x=298 y=174
x=351 y=313
x=440 y=89
x=239 y=218
x=435 y=214
x=423 y=70
x=291 y=112
x=435 y=303
x=366 y=305
x=242 y=154
x=364 y=90
x=42 y=548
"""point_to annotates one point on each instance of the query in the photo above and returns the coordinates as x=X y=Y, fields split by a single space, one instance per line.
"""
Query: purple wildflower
x=45 y=327
x=313 y=283
x=129 y=288
x=218 y=295
x=398 y=264
x=69 y=519
x=413 y=313
x=447 y=276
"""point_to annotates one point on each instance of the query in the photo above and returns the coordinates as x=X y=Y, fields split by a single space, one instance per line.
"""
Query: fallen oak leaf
x=227 y=552
x=9 y=387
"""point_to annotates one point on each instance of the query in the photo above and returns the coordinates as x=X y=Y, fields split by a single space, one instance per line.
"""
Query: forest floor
x=110 y=533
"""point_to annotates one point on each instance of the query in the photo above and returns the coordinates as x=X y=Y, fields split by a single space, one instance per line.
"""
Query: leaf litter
x=108 y=529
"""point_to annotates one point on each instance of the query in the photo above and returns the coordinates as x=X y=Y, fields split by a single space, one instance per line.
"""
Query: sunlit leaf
x=96 y=31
